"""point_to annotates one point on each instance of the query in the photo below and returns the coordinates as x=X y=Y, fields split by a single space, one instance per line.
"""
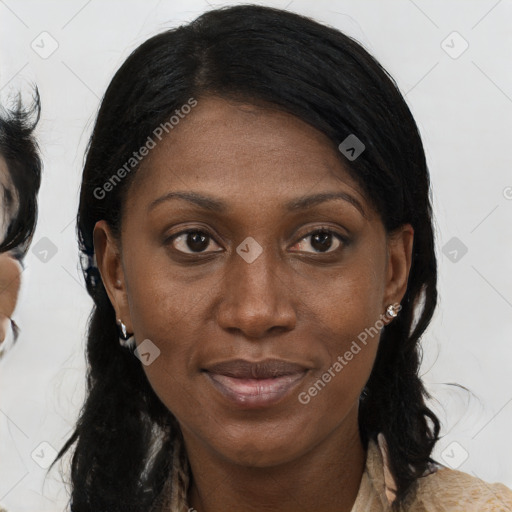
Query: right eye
x=191 y=241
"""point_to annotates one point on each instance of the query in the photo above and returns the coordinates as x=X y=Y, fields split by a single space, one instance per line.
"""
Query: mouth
x=252 y=385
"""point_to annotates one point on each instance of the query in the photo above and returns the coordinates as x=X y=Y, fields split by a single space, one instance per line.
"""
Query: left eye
x=322 y=241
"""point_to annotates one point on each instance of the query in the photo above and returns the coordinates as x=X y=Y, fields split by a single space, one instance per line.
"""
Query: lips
x=256 y=384
x=266 y=369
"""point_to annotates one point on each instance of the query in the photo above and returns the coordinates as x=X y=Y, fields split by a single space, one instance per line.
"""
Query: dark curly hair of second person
x=19 y=149
x=20 y=180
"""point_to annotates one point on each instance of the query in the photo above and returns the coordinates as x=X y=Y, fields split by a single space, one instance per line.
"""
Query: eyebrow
x=313 y=200
x=218 y=206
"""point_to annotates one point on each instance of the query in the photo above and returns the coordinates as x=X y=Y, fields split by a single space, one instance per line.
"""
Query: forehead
x=244 y=151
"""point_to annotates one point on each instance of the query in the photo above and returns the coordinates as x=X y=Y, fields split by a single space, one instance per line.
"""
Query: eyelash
x=326 y=230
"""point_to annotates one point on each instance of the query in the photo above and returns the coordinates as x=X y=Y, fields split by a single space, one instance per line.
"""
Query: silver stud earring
x=392 y=310
x=125 y=340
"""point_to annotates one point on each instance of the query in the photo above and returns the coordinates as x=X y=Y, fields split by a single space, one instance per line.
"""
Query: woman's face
x=254 y=284
x=10 y=268
x=9 y=202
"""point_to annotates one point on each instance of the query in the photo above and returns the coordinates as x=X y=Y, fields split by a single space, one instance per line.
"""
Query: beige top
x=440 y=489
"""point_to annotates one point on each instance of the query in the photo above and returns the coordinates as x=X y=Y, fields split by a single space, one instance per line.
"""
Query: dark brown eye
x=191 y=242
x=322 y=241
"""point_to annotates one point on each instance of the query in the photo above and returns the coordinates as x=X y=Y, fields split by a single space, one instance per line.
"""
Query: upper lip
x=265 y=369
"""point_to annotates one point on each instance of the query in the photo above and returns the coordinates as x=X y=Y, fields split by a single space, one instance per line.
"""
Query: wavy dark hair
x=20 y=151
x=125 y=436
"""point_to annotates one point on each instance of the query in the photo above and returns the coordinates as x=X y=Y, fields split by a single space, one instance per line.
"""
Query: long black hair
x=125 y=436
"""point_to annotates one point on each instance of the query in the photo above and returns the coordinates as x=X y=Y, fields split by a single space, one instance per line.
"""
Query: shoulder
x=451 y=490
x=442 y=489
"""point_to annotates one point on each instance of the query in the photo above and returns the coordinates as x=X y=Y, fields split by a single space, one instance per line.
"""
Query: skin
x=10 y=282
x=293 y=302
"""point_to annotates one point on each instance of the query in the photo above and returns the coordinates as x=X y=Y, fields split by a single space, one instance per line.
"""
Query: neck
x=325 y=478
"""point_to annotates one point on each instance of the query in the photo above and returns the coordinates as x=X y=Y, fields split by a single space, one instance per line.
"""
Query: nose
x=256 y=298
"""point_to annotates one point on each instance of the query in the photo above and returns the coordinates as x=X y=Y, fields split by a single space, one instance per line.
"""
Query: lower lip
x=255 y=393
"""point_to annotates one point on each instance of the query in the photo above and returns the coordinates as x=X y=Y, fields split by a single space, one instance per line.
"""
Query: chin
x=261 y=452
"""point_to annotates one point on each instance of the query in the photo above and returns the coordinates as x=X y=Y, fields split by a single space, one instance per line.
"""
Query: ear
x=108 y=259
x=399 y=248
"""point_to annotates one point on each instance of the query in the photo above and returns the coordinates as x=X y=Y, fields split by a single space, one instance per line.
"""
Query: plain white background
x=462 y=101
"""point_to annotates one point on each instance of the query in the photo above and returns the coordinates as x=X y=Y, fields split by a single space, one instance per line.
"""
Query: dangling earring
x=125 y=340
x=392 y=310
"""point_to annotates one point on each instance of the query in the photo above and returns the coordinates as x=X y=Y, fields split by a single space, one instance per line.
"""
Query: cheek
x=351 y=300
x=164 y=312
x=351 y=328
x=171 y=313
x=160 y=299
x=348 y=324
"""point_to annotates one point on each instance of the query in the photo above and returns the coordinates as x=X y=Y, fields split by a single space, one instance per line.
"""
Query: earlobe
x=108 y=259
x=400 y=245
